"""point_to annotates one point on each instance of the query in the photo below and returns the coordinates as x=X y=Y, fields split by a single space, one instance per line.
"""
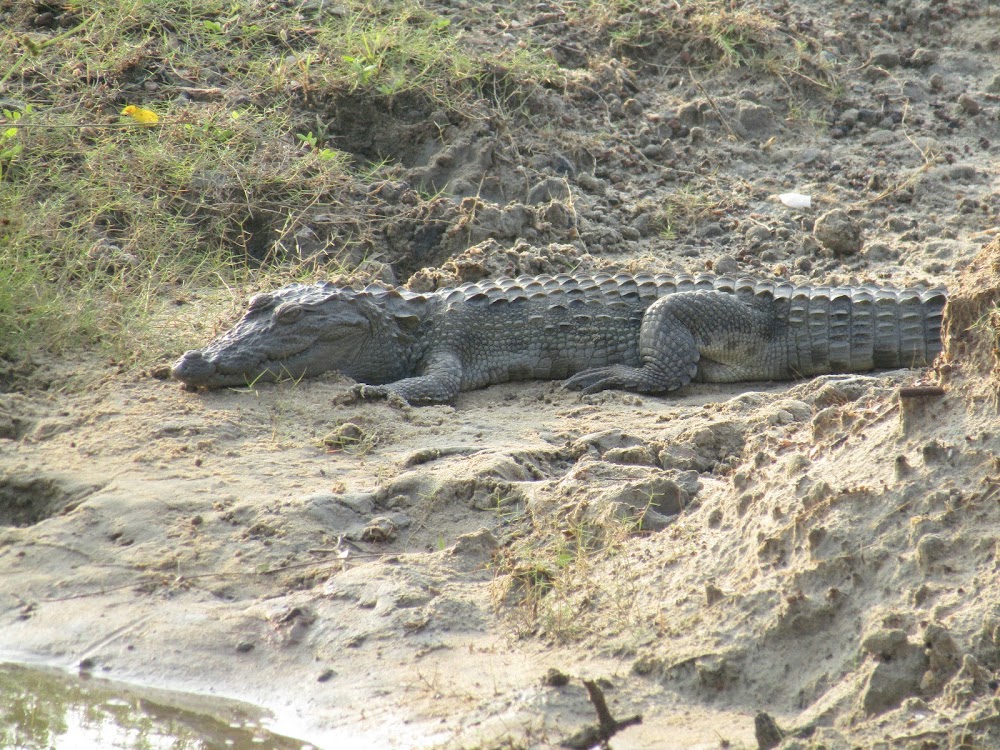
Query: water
x=43 y=709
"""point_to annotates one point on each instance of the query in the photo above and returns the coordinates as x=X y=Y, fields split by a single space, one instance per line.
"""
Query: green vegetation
x=107 y=222
x=684 y=210
x=705 y=31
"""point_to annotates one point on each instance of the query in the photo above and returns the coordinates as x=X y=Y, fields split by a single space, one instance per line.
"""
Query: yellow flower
x=146 y=117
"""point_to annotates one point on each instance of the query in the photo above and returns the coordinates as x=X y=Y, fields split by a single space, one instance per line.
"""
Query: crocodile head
x=294 y=332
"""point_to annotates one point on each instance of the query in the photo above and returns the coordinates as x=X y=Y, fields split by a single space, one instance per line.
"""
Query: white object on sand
x=796 y=200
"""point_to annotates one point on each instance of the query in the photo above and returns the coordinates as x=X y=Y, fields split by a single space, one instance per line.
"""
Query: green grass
x=701 y=32
x=105 y=222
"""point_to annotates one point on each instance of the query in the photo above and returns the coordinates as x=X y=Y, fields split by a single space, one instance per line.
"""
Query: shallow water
x=45 y=708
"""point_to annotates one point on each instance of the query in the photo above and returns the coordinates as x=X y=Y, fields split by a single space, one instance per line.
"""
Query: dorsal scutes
x=564 y=291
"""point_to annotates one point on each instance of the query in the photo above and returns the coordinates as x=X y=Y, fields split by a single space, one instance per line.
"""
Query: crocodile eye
x=288 y=313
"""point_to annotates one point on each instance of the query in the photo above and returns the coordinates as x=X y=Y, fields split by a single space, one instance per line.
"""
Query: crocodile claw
x=592 y=381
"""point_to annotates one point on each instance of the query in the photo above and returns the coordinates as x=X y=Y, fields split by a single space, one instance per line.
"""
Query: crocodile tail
x=855 y=329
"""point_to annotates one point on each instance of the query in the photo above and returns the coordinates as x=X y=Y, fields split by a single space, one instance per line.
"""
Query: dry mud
x=378 y=576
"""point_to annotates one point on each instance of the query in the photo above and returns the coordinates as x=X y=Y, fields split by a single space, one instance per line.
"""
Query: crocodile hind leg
x=728 y=336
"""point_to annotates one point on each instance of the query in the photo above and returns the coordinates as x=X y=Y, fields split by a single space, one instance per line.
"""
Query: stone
x=837 y=232
x=754 y=119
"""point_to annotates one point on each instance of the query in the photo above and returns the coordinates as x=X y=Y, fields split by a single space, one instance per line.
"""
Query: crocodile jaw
x=196 y=370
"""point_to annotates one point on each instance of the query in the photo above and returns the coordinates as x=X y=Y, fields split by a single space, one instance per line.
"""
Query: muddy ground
x=822 y=551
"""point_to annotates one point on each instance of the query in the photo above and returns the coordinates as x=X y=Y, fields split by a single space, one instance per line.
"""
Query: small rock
x=244 y=647
x=766 y=732
x=551 y=188
x=895 y=677
x=837 y=232
x=885 y=57
x=689 y=115
x=880 y=252
x=555 y=678
x=714 y=671
x=380 y=529
x=346 y=435
x=754 y=119
x=477 y=546
x=884 y=644
x=930 y=549
x=713 y=594
x=758 y=235
x=923 y=57
x=969 y=104
x=643 y=224
x=725 y=264
x=712 y=229
x=591 y=184
x=849 y=118
x=632 y=107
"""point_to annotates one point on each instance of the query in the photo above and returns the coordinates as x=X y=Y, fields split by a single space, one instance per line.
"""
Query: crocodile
x=647 y=333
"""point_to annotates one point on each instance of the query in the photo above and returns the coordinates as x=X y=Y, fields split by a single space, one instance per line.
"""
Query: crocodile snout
x=192 y=368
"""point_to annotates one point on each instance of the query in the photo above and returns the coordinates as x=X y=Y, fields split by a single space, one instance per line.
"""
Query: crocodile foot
x=647 y=379
x=365 y=392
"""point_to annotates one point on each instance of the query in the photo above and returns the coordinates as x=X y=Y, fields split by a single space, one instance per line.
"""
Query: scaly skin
x=645 y=333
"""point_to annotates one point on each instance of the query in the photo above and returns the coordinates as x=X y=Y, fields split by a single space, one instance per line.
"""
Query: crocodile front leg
x=679 y=331
x=440 y=382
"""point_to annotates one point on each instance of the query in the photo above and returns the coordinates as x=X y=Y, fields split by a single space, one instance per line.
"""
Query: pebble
x=885 y=57
x=725 y=264
x=849 y=118
x=754 y=119
x=923 y=57
x=969 y=104
x=632 y=107
x=880 y=252
x=591 y=184
x=884 y=644
x=930 y=549
x=758 y=235
x=689 y=115
x=837 y=232
x=551 y=188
